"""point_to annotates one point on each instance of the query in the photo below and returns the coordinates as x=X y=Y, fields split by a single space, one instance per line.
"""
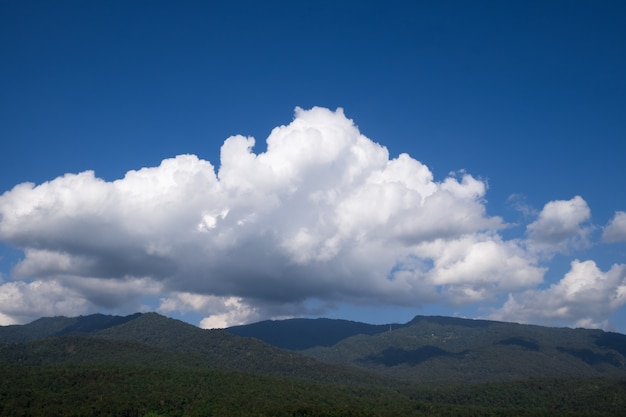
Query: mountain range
x=425 y=349
x=432 y=348
x=148 y=365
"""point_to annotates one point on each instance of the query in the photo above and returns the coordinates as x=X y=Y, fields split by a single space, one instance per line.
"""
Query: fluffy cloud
x=478 y=267
x=22 y=301
x=323 y=216
x=585 y=297
x=560 y=227
x=615 y=231
x=222 y=311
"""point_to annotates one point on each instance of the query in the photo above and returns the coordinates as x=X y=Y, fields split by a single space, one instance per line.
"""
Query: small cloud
x=221 y=311
x=615 y=230
x=559 y=227
x=518 y=203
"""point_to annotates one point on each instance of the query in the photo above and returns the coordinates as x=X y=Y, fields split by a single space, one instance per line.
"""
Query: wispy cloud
x=324 y=214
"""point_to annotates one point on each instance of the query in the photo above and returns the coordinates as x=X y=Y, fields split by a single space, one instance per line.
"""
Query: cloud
x=615 y=231
x=323 y=216
x=559 y=227
x=21 y=301
x=221 y=311
x=478 y=267
x=518 y=202
x=585 y=297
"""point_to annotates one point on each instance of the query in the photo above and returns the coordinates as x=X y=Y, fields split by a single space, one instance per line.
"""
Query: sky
x=226 y=162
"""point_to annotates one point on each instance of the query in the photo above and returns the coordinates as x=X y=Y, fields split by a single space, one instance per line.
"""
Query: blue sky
x=454 y=158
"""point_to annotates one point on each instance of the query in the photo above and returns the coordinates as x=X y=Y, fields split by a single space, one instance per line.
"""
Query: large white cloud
x=324 y=214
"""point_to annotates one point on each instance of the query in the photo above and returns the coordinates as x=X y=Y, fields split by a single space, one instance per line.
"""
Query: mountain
x=155 y=340
x=225 y=350
x=149 y=365
x=60 y=325
x=444 y=349
x=426 y=349
x=300 y=334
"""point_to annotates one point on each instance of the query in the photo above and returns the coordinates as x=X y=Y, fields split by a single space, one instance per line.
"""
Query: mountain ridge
x=440 y=348
x=150 y=339
x=425 y=349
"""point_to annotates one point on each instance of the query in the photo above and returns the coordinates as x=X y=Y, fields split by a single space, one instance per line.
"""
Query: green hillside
x=224 y=350
x=154 y=340
x=57 y=326
x=300 y=334
x=149 y=365
x=443 y=350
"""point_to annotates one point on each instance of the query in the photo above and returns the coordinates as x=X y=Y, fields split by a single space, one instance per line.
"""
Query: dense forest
x=152 y=391
x=149 y=365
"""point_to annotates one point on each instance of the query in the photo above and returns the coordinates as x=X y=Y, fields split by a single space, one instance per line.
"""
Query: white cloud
x=560 y=227
x=23 y=302
x=324 y=215
x=615 y=231
x=221 y=311
x=478 y=267
x=585 y=297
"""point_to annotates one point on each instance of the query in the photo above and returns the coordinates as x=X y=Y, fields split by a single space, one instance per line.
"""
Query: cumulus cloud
x=221 y=311
x=615 y=231
x=21 y=301
x=560 y=227
x=478 y=267
x=324 y=215
x=584 y=297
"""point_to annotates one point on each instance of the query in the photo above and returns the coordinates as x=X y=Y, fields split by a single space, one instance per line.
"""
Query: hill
x=150 y=365
x=426 y=349
x=58 y=326
x=155 y=340
x=445 y=349
x=300 y=334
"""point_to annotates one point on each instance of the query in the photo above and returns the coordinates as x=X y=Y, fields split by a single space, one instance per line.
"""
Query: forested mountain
x=434 y=349
x=443 y=349
x=427 y=348
x=58 y=326
x=152 y=339
x=150 y=365
x=300 y=334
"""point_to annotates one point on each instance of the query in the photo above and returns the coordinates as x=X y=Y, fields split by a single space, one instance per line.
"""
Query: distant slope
x=60 y=325
x=451 y=349
x=300 y=334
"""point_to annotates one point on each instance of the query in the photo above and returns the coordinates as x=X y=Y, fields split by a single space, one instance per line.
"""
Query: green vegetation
x=149 y=365
x=441 y=350
x=149 y=391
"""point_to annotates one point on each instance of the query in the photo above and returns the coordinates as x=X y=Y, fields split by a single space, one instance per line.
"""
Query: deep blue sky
x=527 y=96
